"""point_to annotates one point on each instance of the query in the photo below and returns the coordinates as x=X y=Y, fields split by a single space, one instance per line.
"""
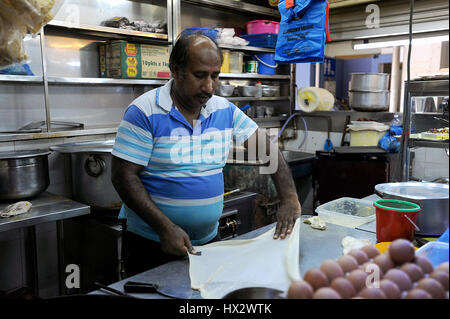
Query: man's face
x=196 y=83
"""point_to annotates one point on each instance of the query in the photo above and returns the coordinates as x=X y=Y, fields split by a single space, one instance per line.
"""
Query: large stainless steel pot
x=433 y=198
x=369 y=101
x=23 y=174
x=369 y=82
x=91 y=173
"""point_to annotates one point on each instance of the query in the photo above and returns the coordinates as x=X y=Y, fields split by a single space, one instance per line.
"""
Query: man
x=172 y=190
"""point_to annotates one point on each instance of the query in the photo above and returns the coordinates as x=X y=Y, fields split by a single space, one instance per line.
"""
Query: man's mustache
x=204 y=96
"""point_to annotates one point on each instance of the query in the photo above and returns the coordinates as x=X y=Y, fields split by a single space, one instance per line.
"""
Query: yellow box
x=154 y=62
x=365 y=137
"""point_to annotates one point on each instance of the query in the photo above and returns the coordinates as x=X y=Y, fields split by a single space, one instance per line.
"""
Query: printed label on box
x=155 y=61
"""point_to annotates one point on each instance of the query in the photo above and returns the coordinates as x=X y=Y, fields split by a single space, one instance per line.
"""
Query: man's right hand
x=175 y=241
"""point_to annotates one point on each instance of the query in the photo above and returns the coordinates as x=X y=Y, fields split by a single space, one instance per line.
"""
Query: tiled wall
x=430 y=163
x=12 y=243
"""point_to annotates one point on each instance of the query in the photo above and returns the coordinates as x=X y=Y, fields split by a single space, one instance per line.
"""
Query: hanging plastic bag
x=303 y=32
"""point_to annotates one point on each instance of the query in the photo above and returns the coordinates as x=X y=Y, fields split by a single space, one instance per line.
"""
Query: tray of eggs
x=397 y=274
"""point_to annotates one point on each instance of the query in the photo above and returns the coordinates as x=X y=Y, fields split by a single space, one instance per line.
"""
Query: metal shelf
x=244 y=99
x=428 y=88
x=107 y=32
x=104 y=81
x=246 y=48
x=253 y=76
x=236 y=6
x=25 y=79
x=270 y=119
x=428 y=143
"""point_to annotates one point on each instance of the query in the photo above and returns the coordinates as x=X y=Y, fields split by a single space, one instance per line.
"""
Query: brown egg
x=414 y=272
x=384 y=261
x=400 y=278
x=424 y=263
x=372 y=293
x=418 y=294
x=347 y=263
x=401 y=251
x=433 y=287
x=443 y=267
x=371 y=251
x=358 y=279
x=371 y=268
x=300 y=289
x=390 y=289
x=360 y=256
x=442 y=277
x=343 y=287
x=316 y=278
x=331 y=269
x=326 y=293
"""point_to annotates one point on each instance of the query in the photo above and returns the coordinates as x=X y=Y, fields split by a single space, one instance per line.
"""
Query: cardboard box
x=155 y=61
x=102 y=60
x=123 y=60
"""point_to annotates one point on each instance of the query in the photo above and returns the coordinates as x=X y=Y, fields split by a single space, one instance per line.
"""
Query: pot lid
x=79 y=147
x=414 y=190
x=23 y=154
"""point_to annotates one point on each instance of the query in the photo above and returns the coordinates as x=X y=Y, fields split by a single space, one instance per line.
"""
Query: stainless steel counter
x=315 y=247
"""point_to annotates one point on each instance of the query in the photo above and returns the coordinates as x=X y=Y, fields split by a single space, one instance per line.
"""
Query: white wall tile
x=436 y=155
x=419 y=154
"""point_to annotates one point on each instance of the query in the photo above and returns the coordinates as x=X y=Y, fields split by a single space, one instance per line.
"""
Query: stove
x=238 y=216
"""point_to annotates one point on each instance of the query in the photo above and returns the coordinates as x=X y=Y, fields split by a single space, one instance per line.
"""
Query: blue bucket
x=211 y=33
x=266 y=63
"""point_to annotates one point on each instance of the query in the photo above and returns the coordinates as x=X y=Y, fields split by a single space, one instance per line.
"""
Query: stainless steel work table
x=45 y=208
x=315 y=247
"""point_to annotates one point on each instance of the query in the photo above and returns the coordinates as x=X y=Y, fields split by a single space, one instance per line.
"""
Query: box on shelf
x=102 y=60
x=124 y=60
x=347 y=211
x=155 y=61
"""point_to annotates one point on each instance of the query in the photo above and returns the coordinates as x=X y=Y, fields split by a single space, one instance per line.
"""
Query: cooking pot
x=431 y=197
x=91 y=173
x=367 y=101
x=23 y=174
x=254 y=293
x=369 y=82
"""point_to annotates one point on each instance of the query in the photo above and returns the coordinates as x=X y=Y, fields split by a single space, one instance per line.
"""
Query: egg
x=417 y=294
x=372 y=268
x=371 y=251
x=347 y=263
x=400 y=278
x=300 y=289
x=390 y=289
x=372 y=293
x=414 y=272
x=424 y=263
x=316 y=278
x=331 y=269
x=401 y=251
x=442 y=277
x=443 y=267
x=343 y=287
x=360 y=256
x=358 y=279
x=433 y=287
x=384 y=261
x=326 y=293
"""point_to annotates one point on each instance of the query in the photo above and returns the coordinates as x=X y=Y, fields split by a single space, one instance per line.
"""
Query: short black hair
x=179 y=57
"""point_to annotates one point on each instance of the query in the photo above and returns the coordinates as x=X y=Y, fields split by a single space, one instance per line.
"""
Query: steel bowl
x=225 y=90
x=269 y=90
x=247 y=90
x=254 y=293
x=369 y=101
x=369 y=82
x=23 y=174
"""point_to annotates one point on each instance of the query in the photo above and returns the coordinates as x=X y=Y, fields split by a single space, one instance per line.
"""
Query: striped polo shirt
x=182 y=164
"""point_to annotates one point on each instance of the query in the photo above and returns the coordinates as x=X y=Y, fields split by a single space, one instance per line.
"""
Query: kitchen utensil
x=236 y=62
x=225 y=90
x=260 y=111
x=369 y=82
x=231 y=192
x=247 y=90
x=91 y=173
x=269 y=111
x=179 y=292
x=114 y=291
x=433 y=198
x=254 y=293
x=270 y=90
x=369 y=101
x=23 y=174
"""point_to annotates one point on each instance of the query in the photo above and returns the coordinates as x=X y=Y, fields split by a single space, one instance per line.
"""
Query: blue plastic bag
x=302 y=32
x=17 y=69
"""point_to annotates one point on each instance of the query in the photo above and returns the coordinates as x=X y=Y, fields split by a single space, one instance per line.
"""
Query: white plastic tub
x=347 y=211
x=366 y=133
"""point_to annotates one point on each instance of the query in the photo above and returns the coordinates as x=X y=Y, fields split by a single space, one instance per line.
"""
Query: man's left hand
x=288 y=212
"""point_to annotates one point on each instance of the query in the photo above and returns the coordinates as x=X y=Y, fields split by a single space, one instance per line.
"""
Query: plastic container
x=391 y=221
x=236 y=62
x=212 y=33
x=347 y=211
x=366 y=133
x=262 y=26
x=262 y=40
x=436 y=252
x=267 y=63
x=226 y=61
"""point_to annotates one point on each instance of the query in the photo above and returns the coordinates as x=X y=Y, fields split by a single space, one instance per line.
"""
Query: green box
x=124 y=60
x=102 y=60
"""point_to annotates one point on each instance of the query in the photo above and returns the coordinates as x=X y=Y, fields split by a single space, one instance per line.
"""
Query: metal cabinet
x=421 y=88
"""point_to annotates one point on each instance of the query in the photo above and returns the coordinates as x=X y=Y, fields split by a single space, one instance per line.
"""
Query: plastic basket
x=262 y=40
x=211 y=33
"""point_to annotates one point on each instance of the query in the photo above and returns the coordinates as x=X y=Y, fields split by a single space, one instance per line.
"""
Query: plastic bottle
x=258 y=89
x=396 y=125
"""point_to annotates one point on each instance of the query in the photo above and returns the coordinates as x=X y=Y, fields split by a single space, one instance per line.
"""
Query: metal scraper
x=173 y=291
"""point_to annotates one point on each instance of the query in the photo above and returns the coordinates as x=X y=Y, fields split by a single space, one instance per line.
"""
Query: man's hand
x=175 y=241
x=288 y=212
